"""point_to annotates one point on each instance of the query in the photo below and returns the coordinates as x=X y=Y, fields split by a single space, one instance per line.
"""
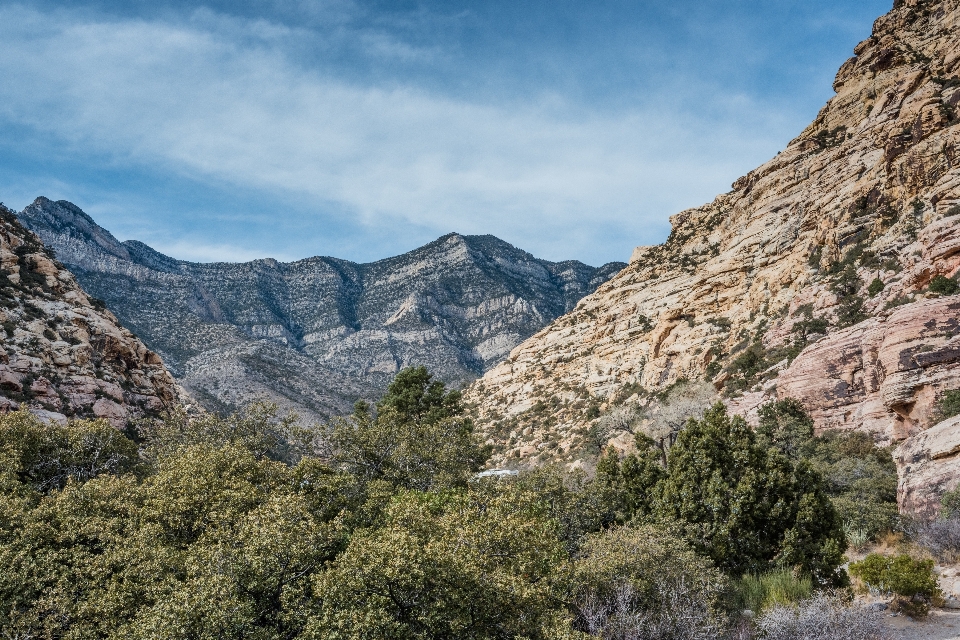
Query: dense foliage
x=911 y=580
x=736 y=496
x=249 y=527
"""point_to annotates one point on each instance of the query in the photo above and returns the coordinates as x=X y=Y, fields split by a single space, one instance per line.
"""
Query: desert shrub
x=779 y=587
x=876 y=286
x=823 y=617
x=748 y=507
x=668 y=414
x=953 y=211
x=619 y=419
x=258 y=427
x=949 y=404
x=745 y=367
x=943 y=285
x=857 y=538
x=643 y=583
x=418 y=439
x=861 y=480
x=469 y=565
x=950 y=503
x=847 y=285
x=630 y=485
x=941 y=536
x=912 y=580
x=577 y=505
x=46 y=455
x=899 y=301
x=784 y=424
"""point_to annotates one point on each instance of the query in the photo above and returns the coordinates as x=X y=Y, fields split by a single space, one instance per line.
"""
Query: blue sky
x=291 y=128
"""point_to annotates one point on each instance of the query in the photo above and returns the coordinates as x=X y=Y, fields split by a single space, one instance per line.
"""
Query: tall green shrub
x=748 y=507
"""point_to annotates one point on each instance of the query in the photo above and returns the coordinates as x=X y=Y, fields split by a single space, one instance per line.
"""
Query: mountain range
x=316 y=334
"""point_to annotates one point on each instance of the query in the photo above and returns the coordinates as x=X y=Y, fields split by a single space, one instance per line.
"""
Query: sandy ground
x=940 y=625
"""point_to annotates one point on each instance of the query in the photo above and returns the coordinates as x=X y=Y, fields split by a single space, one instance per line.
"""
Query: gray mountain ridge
x=316 y=334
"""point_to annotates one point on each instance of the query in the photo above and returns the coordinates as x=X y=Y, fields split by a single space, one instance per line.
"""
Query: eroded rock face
x=877 y=171
x=929 y=462
x=316 y=334
x=62 y=354
x=883 y=375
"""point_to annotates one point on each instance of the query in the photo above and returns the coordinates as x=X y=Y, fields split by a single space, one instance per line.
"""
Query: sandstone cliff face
x=782 y=264
x=64 y=355
x=316 y=334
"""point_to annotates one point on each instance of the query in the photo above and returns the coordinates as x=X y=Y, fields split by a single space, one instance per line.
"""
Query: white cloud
x=195 y=99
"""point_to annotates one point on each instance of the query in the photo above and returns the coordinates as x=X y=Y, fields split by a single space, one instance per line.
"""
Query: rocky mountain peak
x=69 y=220
x=64 y=355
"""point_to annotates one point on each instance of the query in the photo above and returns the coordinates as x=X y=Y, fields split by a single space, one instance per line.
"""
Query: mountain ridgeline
x=315 y=334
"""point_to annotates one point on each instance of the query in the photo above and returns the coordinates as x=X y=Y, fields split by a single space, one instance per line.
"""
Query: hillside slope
x=64 y=355
x=316 y=334
x=783 y=264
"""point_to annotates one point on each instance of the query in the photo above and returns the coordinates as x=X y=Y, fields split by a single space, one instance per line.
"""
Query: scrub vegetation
x=378 y=527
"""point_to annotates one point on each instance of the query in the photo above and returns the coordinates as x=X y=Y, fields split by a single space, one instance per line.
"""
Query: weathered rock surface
x=64 y=355
x=316 y=334
x=929 y=462
x=869 y=191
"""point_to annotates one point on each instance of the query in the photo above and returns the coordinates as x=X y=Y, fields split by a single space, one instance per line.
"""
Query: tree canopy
x=244 y=527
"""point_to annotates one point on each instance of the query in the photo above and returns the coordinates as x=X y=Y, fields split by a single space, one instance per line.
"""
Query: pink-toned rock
x=929 y=465
x=45 y=393
x=882 y=376
x=114 y=413
x=10 y=379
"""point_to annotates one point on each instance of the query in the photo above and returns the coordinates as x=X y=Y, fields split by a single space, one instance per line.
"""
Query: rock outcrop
x=828 y=251
x=316 y=334
x=929 y=462
x=63 y=354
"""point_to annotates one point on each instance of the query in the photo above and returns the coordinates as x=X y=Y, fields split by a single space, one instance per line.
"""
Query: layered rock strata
x=316 y=334
x=828 y=250
x=63 y=355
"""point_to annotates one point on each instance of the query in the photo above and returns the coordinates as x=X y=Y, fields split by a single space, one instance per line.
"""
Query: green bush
x=748 y=507
x=474 y=565
x=46 y=455
x=418 y=439
x=644 y=582
x=779 y=587
x=949 y=404
x=912 y=580
x=944 y=286
x=950 y=504
x=875 y=287
x=784 y=424
x=861 y=480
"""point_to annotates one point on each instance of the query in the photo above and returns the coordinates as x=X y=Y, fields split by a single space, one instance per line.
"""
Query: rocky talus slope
x=815 y=277
x=64 y=355
x=316 y=334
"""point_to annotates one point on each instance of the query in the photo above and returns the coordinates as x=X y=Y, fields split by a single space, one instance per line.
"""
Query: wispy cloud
x=222 y=100
x=212 y=252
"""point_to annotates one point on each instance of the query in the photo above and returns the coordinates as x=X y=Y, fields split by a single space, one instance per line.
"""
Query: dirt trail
x=939 y=625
